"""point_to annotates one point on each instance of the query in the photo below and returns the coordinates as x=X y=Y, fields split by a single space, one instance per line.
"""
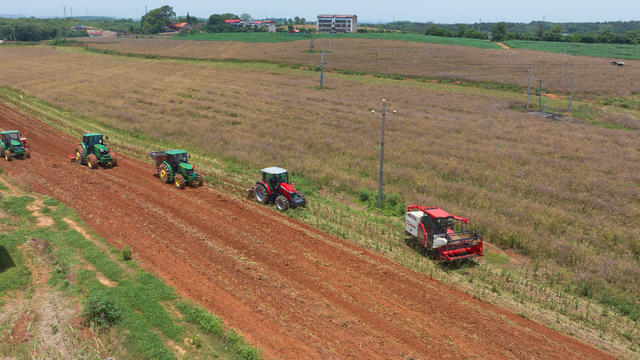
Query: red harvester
x=445 y=234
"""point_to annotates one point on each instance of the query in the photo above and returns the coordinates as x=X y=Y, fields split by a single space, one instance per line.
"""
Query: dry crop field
x=561 y=190
x=594 y=76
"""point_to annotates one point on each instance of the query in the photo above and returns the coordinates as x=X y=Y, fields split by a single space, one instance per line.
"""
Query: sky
x=453 y=11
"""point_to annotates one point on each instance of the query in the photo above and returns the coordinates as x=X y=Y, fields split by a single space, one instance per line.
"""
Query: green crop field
x=284 y=37
x=618 y=51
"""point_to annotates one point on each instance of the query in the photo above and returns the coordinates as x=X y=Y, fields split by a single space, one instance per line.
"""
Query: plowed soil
x=293 y=291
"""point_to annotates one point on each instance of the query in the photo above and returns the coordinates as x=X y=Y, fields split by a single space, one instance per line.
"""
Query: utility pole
x=70 y=11
x=376 y=59
x=384 y=114
x=64 y=8
x=311 y=44
x=573 y=78
x=564 y=57
x=529 y=88
x=322 y=63
x=330 y=44
x=540 y=95
x=428 y=50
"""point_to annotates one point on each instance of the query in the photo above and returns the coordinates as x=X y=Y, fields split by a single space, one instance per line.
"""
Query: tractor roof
x=274 y=170
x=9 y=132
x=175 y=152
x=92 y=134
x=436 y=212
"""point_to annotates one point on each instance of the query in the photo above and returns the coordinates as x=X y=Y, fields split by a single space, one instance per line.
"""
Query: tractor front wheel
x=199 y=182
x=163 y=171
x=262 y=196
x=79 y=155
x=8 y=155
x=282 y=203
x=27 y=153
x=179 y=181
x=304 y=199
x=114 y=162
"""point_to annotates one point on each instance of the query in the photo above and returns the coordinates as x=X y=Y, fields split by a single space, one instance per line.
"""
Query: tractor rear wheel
x=179 y=181
x=114 y=162
x=79 y=155
x=163 y=171
x=92 y=161
x=8 y=155
x=262 y=196
x=282 y=203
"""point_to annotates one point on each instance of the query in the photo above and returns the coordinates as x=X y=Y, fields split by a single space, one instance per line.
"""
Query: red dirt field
x=291 y=290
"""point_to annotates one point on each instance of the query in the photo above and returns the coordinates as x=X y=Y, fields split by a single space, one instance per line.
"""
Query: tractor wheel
x=163 y=170
x=80 y=155
x=8 y=155
x=262 y=196
x=199 y=182
x=92 y=161
x=27 y=153
x=179 y=181
x=282 y=203
x=304 y=199
x=114 y=162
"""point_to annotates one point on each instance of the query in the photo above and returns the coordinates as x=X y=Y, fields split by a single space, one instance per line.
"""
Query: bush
x=126 y=253
x=100 y=310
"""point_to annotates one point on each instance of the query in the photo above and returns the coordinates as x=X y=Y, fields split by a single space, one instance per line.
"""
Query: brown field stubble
x=567 y=191
x=594 y=76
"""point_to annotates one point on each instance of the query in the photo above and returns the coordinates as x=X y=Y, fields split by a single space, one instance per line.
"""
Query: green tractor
x=173 y=167
x=93 y=152
x=12 y=145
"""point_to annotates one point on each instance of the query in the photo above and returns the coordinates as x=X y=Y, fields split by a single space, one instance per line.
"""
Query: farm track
x=293 y=291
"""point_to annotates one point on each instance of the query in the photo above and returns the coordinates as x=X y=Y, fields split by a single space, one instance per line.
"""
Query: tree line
x=616 y=32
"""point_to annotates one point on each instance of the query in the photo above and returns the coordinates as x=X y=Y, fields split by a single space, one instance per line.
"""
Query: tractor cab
x=91 y=140
x=274 y=176
x=179 y=160
x=8 y=136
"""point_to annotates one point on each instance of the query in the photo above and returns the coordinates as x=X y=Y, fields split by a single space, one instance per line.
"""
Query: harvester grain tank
x=442 y=233
x=275 y=188
x=173 y=166
x=93 y=152
x=12 y=145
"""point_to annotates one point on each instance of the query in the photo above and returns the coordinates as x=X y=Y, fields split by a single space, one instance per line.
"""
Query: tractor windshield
x=444 y=223
x=12 y=136
x=278 y=178
x=181 y=158
x=94 y=140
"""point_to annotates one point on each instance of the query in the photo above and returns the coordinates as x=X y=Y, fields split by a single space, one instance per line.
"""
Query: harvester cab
x=445 y=234
x=12 y=145
x=93 y=152
x=173 y=166
x=276 y=188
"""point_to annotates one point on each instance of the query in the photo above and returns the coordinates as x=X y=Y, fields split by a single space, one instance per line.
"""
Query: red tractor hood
x=287 y=187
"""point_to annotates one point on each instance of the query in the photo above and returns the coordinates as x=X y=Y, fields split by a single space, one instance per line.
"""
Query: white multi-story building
x=338 y=23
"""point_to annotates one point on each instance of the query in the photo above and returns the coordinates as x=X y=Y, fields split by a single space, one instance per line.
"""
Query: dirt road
x=293 y=291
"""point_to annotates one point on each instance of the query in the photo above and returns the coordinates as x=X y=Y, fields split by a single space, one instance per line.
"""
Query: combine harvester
x=13 y=146
x=173 y=166
x=433 y=229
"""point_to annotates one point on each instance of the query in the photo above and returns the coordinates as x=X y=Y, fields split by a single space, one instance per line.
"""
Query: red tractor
x=275 y=188
x=436 y=230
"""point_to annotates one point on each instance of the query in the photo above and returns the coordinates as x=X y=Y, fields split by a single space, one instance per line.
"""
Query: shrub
x=126 y=253
x=100 y=310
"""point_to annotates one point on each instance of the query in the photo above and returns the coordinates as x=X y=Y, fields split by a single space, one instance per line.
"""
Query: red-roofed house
x=183 y=26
